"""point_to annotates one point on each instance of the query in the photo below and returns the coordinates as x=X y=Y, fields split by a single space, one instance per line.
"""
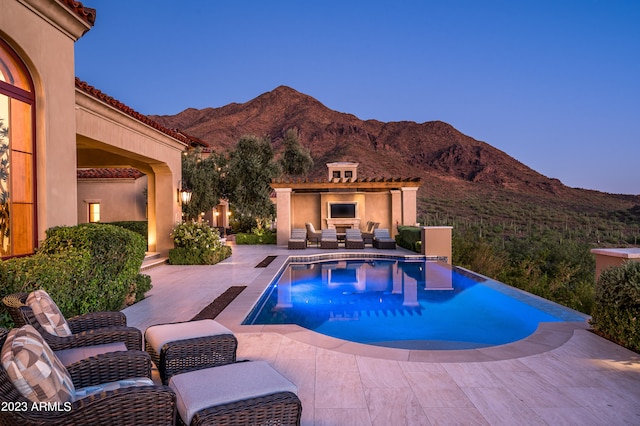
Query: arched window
x=17 y=156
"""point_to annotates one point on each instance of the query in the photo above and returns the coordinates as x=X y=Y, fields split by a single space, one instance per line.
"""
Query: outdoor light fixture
x=184 y=193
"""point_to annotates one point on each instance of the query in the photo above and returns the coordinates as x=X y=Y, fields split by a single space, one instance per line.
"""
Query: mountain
x=452 y=165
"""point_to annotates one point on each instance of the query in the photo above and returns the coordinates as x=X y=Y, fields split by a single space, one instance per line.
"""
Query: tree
x=295 y=160
x=251 y=168
x=204 y=176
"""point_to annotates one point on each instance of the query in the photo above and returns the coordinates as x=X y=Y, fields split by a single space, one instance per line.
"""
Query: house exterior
x=111 y=195
x=53 y=124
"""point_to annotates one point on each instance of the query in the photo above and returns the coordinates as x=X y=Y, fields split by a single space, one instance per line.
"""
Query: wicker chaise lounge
x=298 y=239
x=96 y=328
x=113 y=388
x=382 y=239
x=329 y=239
x=353 y=239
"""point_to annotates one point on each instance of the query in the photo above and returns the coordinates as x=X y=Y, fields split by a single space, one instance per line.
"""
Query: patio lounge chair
x=97 y=328
x=112 y=388
x=367 y=235
x=298 y=239
x=313 y=236
x=353 y=239
x=382 y=239
x=329 y=239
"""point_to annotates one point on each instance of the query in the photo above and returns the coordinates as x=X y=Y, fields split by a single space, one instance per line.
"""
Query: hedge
x=264 y=238
x=616 y=311
x=195 y=256
x=410 y=237
x=138 y=226
x=85 y=268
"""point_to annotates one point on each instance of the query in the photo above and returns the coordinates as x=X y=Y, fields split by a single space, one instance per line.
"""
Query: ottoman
x=187 y=346
x=236 y=394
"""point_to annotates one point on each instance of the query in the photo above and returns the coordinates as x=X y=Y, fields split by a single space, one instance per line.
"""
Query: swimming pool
x=403 y=303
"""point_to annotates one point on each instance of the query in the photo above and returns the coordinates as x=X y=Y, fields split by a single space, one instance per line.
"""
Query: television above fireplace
x=342 y=210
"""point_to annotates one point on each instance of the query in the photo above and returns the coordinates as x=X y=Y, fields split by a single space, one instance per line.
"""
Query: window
x=348 y=174
x=94 y=212
x=17 y=156
x=336 y=174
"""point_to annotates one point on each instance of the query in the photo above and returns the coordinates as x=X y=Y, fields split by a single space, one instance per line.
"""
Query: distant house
x=54 y=124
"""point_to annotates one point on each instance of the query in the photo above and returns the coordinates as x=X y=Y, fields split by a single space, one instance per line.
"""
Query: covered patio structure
x=344 y=201
x=111 y=135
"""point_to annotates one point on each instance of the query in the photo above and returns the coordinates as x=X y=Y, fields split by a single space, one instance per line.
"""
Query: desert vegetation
x=541 y=245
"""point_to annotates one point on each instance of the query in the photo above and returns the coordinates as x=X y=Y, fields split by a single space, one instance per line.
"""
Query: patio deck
x=563 y=374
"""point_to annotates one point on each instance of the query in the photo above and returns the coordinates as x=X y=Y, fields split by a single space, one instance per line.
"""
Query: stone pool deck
x=561 y=375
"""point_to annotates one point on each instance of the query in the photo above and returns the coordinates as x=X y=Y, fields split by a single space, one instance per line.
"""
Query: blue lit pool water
x=408 y=304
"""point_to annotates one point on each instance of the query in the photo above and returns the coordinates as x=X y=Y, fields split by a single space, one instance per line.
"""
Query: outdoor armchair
x=313 y=235
x=113 y=388
x=90 y=329
x=367 y=235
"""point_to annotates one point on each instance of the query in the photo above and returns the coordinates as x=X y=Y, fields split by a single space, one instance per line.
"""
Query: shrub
x=116 y=255
x=138 y=226
x=616 y=311
x=185 y=256
x=408 y=237
x=85 y=268
x=266 y=237
x=197 y=243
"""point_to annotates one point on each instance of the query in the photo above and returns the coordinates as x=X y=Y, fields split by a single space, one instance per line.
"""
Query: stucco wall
x=120 y=199
x=313 y=207
x=45 y=43
x=305 y=208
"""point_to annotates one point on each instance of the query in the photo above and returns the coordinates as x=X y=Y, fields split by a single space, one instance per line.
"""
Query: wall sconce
x=184 y=194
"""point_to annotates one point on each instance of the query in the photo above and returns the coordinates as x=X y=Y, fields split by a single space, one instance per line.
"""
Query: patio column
x=396 y=212
x=283 y=215
x=409 y=205
x=436 y=241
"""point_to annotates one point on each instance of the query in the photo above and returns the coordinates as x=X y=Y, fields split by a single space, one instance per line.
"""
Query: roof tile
x=109 y=173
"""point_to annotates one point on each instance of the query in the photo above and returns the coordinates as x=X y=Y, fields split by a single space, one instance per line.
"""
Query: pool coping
x=548 y=335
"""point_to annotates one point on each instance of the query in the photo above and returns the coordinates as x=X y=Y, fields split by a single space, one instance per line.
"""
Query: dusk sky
x=553 y=83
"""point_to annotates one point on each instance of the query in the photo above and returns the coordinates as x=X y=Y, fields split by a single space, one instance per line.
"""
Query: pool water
x=408 y=304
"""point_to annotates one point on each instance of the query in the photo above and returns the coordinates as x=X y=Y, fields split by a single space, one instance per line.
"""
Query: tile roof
x=109 y=173
x=360 y=183
x=96 y=93
x=86 y=13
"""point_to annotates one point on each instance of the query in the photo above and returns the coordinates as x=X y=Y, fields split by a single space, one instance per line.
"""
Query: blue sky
x=553 y=83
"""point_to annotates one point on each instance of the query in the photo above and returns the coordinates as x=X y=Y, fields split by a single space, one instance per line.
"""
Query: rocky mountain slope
x=452 y=165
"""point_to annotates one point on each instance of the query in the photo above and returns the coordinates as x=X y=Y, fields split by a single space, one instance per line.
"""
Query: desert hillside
x=454 y=167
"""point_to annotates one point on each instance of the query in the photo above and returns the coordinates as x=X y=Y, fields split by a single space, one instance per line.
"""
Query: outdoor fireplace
x=342 y=216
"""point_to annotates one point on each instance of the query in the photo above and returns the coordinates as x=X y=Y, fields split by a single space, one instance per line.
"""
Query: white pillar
x=283 y=215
